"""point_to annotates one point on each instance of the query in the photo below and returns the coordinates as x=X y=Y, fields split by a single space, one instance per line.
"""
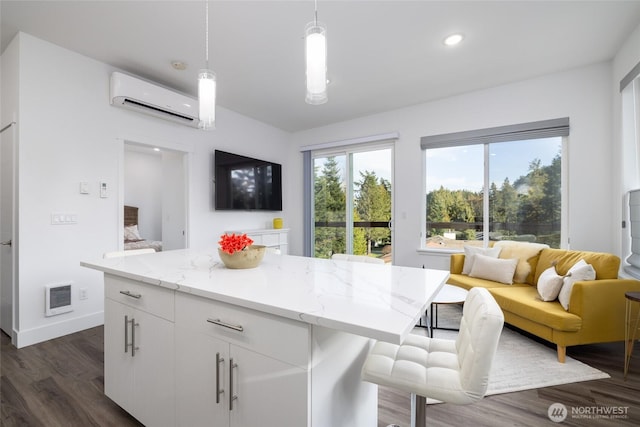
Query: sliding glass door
x=352 y=203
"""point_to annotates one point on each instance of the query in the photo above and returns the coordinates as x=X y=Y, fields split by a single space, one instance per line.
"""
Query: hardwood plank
x=15 y=411
x=529 y=407
x=60 y=382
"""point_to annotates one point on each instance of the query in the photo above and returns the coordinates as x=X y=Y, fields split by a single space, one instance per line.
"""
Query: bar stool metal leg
x=418 y=411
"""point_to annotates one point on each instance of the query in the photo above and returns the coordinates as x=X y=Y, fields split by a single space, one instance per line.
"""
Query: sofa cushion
x=468 y=282
x=579 y=272
x=525 y=302
x=549 y=284
x=606 y=265
x=471 y=251
x=499 y=270
x=527 y=255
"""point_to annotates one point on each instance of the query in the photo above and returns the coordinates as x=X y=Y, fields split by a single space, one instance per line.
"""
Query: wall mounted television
x=244 y=183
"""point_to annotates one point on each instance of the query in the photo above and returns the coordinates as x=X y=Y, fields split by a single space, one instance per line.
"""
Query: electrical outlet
x=83 y=293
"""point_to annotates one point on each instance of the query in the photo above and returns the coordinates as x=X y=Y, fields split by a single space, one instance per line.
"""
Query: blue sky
x=461 y=168
x=378 y=161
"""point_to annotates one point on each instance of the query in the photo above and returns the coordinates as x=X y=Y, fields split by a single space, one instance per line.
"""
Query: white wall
x=583 y=95
x=69 y=133
x=143 y=189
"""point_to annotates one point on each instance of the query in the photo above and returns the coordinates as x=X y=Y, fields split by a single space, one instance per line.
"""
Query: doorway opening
x=155 y=187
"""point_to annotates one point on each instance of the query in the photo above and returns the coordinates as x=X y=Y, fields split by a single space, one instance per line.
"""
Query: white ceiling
x=382 y=55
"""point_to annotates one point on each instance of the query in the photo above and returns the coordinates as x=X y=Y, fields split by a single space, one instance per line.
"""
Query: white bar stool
x=453 y=371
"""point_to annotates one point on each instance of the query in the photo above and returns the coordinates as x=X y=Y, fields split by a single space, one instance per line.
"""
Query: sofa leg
x=562 y=353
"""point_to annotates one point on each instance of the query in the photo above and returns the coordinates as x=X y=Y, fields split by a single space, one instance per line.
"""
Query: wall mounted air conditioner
x=138 y=95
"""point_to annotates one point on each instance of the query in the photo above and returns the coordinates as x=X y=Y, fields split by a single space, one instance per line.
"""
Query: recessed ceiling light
x=179 y=65
x=453 y=39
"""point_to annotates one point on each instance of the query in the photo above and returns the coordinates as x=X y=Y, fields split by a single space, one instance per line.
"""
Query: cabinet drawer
x=257 y=239
x=271 y=239
x=152 y=299
x=283 y=339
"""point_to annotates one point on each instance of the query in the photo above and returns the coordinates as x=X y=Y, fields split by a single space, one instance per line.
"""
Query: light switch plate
x=64 y=218
x=103 y=190
x=84 y=187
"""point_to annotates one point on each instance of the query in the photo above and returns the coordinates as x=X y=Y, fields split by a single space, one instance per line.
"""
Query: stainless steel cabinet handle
x=133 y=337
x=232 y=396
x=226 y=325
x=219 y=360
x=6 y=243
x=130 y=294
x=126 y=333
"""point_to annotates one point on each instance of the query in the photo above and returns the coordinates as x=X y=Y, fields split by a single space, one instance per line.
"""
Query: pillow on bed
x=131 y=234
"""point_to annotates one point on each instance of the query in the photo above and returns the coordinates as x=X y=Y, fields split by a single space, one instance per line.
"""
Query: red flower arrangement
x=231 y=243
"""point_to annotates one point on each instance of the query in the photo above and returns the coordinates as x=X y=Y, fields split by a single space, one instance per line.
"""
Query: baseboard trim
x=59 y=329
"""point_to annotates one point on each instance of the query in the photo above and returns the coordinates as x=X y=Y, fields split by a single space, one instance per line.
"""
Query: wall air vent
x=57 y=299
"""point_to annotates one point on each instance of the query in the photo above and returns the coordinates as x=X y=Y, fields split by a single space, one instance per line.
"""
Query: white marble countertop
x=377 y=301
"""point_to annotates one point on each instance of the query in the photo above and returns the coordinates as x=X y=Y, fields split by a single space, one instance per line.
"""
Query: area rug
x=522 y=363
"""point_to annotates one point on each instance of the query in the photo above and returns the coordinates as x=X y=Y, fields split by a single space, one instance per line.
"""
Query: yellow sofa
x=596 y=308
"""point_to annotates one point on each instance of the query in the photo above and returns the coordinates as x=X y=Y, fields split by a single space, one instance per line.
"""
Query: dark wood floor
x=60 y=383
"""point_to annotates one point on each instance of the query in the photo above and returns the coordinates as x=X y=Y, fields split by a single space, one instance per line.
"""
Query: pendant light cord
x=206 y=41
x=316 y=12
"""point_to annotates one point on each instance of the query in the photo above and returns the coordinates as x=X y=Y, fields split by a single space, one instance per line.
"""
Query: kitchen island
x=189 y=342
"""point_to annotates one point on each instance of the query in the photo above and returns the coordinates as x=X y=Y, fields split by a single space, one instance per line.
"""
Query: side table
x=449 y=294
x=630 y=326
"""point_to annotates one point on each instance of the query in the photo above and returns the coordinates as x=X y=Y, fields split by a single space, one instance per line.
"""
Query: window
x=494 y=184
x=352 y=201
x=348 y=196
x=630 y=94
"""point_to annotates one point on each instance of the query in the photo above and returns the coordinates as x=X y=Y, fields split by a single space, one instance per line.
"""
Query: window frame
x=509 y=133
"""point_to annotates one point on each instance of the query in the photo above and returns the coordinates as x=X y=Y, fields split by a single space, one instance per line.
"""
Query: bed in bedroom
x=132 y=238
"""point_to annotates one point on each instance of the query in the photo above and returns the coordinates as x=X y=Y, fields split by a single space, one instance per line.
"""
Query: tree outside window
x=523 y=197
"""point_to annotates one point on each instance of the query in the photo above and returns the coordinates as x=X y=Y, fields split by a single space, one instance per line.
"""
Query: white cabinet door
x=154 y=375
x=269 y=392
x=118 y=364
x=141 y=381
x=198 y=379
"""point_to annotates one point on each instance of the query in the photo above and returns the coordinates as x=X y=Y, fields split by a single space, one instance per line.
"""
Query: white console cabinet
x=237 y=367
x=139 y=350
x=275 y=238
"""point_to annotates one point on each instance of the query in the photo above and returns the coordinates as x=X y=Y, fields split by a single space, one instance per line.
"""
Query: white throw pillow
x=496 y=269
x=470 y=253
x=549 y=284
x=580 y=271
x=131 y=233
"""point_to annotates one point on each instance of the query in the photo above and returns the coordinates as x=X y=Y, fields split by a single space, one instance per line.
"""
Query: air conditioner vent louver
x=144 y=106
x=139 y=95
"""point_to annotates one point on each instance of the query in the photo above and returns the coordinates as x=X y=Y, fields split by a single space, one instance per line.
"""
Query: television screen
x=243 y=183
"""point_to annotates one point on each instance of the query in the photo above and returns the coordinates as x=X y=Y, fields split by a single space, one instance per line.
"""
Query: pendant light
x=316 y=61
x=207 y=86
